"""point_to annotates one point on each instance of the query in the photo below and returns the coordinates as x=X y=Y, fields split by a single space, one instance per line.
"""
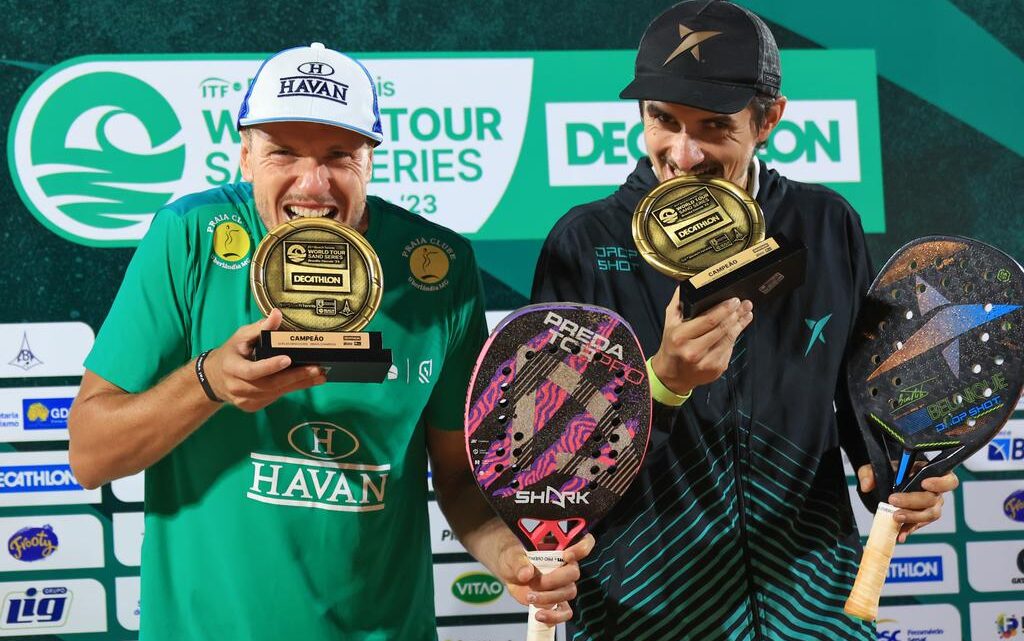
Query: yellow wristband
x=662 y=394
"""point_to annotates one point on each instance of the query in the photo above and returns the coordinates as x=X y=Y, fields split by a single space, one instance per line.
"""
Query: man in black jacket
x=739 y=525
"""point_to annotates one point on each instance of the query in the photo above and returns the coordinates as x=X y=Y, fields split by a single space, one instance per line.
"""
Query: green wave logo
x=104 y=154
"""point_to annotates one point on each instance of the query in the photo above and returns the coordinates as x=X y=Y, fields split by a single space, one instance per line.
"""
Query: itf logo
x=36 y=608
x=915 y=569
x=46 y=413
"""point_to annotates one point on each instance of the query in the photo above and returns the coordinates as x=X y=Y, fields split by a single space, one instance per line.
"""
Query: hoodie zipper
x=755 y=614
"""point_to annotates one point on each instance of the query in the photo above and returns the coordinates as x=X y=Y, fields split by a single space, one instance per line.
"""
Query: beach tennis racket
x=558 y=417
x=934 y=372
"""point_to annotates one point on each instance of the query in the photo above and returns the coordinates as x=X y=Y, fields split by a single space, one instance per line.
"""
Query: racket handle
x=874 y=565
x=545 y=562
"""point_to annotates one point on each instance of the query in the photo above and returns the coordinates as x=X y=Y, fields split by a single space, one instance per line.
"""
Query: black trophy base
x=350 y=357
x=765 y=278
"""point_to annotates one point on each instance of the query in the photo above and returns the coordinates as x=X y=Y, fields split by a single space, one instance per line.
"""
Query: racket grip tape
x=874 y=565
x=546 y=561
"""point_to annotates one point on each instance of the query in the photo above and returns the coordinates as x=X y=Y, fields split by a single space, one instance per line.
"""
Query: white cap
x=313 y=84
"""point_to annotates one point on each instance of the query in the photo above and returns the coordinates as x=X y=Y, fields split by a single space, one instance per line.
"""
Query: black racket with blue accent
x=935 y=371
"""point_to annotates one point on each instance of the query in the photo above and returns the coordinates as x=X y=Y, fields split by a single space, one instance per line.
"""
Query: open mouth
x=298 y=211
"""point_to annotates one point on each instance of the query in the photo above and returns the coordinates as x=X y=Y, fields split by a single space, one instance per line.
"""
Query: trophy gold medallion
x=327 y=281
x=710 y=235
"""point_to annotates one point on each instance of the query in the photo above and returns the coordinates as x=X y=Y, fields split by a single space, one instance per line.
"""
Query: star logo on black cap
x=690 y=42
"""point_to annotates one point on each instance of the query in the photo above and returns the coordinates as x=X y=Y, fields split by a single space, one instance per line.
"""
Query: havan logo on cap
x=317 y=86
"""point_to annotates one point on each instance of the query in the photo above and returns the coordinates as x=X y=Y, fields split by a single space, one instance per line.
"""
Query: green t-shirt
x=308 y=519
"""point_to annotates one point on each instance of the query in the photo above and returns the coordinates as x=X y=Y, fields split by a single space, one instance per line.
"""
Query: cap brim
x=709 y=96
x=375 y=138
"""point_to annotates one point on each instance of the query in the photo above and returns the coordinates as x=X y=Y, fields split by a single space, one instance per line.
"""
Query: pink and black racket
x=558 y=417
x=935 y=371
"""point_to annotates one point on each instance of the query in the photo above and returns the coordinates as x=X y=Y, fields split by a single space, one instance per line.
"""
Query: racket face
x=558 y=417
x=936 y=364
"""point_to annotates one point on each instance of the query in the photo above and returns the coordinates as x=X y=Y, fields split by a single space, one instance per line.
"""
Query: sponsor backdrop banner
x=497 y=120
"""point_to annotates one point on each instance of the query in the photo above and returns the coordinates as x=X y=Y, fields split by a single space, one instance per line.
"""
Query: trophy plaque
x=326 y=280
x=710 y=235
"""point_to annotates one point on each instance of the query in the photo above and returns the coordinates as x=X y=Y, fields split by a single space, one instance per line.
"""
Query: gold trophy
x=710 y=235
x=326 y=280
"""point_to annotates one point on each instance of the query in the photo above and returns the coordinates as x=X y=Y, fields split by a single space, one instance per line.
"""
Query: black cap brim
x=709 y=96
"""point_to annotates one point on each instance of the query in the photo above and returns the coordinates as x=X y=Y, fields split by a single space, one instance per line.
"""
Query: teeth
x=309 y=212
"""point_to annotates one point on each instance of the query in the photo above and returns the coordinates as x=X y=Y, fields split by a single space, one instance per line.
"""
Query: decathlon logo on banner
x=41 y=478
x=922 y=569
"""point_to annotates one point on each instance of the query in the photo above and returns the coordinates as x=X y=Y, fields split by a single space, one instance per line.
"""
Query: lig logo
x=35 y=608
x=94 y=153
x=477 y=588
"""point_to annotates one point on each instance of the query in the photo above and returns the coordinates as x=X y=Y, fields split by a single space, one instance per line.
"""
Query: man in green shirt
x=278 y=507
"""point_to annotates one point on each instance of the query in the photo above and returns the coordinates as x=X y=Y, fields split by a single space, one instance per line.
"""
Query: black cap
x=709 y=54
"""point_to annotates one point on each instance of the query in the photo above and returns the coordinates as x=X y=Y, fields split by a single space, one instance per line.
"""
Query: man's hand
x=550 y=592
x=697 y=351
x=252 y=385
x=916 y=509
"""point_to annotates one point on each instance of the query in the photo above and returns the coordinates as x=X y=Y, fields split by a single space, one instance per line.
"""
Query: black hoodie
x=739 y=524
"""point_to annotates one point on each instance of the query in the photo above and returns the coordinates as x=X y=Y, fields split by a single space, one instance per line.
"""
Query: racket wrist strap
x=662 y=394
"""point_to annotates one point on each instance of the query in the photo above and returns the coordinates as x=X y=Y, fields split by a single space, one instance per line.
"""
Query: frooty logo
x=477 y=588
x=95 y=153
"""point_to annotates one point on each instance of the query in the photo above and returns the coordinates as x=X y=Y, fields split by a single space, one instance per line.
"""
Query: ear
x=245 y=159
x=772 y=118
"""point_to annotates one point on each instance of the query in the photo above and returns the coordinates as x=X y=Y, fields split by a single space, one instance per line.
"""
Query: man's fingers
x=247 y=370
x=558 y=614
x=915 y=500
x=704 y=323
x=673 y=313
x=866 y=478
x=246 y=335
x=940 y=484
x=579 y=550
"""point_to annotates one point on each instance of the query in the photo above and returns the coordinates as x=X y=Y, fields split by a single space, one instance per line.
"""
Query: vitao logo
x=99 y=144
x=597 y=143
x=477 y=588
